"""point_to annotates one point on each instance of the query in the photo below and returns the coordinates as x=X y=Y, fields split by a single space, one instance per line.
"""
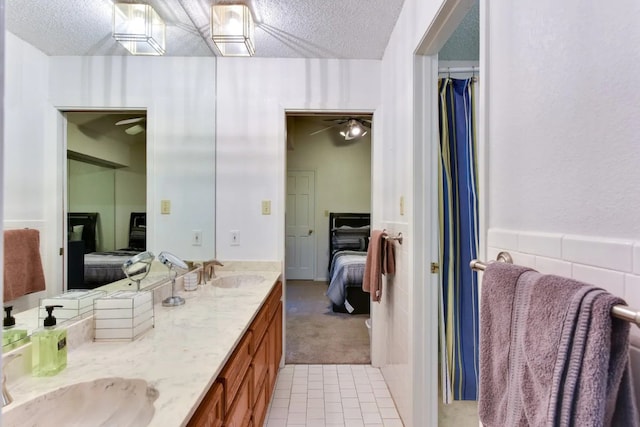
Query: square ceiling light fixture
x=138 y=28
x=232 y=29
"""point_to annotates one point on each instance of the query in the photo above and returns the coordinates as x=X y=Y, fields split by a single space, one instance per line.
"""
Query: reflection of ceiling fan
x=139 y=125
x=353 y=127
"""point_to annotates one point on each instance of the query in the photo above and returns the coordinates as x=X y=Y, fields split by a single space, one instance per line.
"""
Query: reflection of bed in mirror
x=88 y=268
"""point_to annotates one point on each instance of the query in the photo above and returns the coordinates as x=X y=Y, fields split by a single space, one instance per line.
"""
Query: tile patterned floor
x=331 y=395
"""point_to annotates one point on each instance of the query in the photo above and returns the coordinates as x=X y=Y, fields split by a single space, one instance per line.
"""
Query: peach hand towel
x=380 y=260
x=23 y=272
x=372 y=282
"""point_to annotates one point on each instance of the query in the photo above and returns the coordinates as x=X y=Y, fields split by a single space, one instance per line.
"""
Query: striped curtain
x=458 y=205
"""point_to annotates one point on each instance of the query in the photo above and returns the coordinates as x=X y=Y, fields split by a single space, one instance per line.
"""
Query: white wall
x=564 y=150
x=253 y=94
x=342 y=171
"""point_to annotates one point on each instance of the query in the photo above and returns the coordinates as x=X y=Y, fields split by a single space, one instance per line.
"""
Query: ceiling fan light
x=232 y=29
x=134 y=130
x=139 y=28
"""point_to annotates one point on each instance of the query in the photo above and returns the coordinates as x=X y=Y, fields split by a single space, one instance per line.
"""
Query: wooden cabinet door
x=210 y=413
x=275 y=346
x=239 y=414
x=261 y=404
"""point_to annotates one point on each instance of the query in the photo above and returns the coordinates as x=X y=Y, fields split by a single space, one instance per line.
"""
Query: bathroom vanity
x=210 y=362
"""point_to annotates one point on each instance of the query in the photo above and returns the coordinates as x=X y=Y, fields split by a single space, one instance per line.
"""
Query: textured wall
x=563 y=128
x=251 y=138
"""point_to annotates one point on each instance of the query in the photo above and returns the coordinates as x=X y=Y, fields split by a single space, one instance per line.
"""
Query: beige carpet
x=317 y=335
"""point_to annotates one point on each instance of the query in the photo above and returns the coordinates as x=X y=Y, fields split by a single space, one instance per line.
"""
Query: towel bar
x=619 y=311
x=398 y=238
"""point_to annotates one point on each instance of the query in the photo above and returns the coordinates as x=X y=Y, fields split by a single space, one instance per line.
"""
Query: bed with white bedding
x=347 y=270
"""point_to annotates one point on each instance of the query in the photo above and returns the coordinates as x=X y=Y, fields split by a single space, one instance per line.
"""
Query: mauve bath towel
x=550 y=353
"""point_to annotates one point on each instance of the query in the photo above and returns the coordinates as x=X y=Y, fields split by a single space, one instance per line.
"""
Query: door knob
x=310 y=232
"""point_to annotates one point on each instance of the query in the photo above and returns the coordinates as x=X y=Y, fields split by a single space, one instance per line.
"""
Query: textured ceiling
x=284 y=28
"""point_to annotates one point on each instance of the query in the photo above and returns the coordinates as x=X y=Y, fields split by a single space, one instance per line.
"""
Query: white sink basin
x=237 y=281
x=102 y=402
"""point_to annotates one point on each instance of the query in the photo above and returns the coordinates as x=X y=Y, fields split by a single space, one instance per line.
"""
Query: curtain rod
x=619 y=311
x=458 y=69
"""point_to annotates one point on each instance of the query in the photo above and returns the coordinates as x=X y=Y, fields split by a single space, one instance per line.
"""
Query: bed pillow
x=76 y=233
x=346 y=237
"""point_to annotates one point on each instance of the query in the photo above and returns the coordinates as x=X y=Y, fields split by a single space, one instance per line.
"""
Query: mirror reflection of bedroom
x=327 y=225
x=106 y=194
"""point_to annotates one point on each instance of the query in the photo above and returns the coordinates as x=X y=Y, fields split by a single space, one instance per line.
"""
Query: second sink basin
x=101 y=402
x=237 y=281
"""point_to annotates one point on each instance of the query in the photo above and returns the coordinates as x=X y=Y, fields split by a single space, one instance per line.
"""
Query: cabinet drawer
x=234 y=371
x=239 y=414
x=274 y=299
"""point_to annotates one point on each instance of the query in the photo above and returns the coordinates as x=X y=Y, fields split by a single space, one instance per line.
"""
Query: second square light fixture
x=232 y=29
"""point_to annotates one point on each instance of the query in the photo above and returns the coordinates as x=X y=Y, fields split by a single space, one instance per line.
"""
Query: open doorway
x=328 y=182
x=105 y=194
x=458 y=86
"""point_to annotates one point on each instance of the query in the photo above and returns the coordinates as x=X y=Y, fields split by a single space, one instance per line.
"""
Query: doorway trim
x=425 y=181
x=62 y=202
x=283 y=112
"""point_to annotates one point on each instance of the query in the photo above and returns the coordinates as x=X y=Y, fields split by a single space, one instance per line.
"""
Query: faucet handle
x=6 y=397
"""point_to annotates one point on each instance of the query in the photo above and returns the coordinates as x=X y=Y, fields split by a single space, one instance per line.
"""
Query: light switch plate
x=165 y=207
x=266 y=207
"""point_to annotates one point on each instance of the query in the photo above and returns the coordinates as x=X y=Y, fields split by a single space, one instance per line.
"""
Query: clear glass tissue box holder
x=123 y=315
x=74 y=303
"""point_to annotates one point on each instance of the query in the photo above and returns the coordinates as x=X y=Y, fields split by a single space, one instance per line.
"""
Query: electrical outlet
x=235 y=238
x=266 y=207
x=196 y=239
x=326 y=213
x=165 y=207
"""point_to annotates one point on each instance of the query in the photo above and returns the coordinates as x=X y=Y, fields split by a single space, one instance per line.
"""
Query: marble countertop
x=180 y=357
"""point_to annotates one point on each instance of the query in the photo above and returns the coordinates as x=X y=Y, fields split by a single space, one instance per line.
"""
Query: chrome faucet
x=6 y=397
x=208 y=269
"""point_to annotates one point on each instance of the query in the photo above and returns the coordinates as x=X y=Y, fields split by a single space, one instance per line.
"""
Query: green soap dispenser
x=49 y=347
x=11 y=336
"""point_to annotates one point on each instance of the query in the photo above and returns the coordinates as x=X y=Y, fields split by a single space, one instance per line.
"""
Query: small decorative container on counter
x=73 y=304
x=123 y=315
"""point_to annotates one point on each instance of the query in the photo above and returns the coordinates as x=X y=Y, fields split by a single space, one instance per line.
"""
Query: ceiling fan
x=353 y=127
x=139 y=125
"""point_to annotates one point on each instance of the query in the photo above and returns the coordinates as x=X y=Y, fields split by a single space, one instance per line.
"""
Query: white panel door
x=300 y=236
